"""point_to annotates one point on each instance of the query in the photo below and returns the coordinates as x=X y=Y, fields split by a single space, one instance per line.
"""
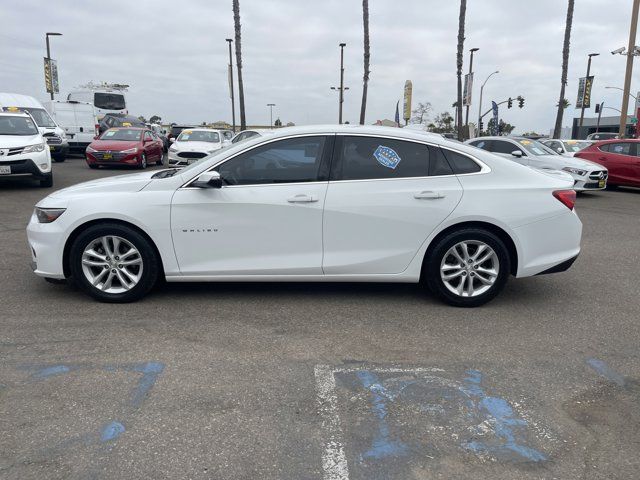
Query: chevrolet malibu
x=309 y=204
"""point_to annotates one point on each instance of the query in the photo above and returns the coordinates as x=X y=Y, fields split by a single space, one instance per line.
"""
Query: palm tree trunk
x=236 y=21
x=461 y=21
x=367 y=56
x=565 y=65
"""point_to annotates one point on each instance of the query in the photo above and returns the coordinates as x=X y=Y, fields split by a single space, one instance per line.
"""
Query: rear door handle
x=302 y=199
x=428 y=195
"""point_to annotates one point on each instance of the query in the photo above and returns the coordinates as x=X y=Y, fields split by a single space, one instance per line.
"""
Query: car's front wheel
x=143 y=161
x=468 y=267
x=113 y=263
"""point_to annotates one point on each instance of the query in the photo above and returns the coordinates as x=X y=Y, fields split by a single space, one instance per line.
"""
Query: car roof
x=18 y=113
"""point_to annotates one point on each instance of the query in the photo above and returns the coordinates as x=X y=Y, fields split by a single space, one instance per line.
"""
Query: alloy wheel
x=469 y=268
x=112 y=264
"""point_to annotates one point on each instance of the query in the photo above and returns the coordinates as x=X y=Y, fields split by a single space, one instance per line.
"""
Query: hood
x=10 y=141
x=558 y=174
x=565 y=161
x=113 y=145
x=203 y=147
x=121 y=183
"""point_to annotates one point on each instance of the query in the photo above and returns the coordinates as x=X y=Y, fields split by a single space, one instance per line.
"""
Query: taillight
x=568 y=197
x=97 y=129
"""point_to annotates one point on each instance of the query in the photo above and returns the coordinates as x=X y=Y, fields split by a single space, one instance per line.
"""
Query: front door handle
x=302 y=199
x=428 y=195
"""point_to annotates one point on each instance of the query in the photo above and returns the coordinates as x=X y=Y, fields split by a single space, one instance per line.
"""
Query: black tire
x=47 y=181
x=160 y=160
x=59 y=159
x=92 y=166
x=612 y=187
x=431 y=268
x=148 y=255
x=143 y=161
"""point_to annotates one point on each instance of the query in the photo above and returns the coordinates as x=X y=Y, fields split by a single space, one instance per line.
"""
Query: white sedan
x=195 y=143
x=307 y=204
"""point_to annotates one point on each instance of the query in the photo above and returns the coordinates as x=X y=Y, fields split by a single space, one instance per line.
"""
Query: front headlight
x=575 y=171
x=63 y=136
x=173 y=148
x=38 y=147
x=48 y=215
x=131 y=150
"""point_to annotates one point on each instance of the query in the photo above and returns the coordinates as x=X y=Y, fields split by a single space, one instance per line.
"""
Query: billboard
x=468 y=87
x=51 y=75
x=584 y=92
x=406 y=110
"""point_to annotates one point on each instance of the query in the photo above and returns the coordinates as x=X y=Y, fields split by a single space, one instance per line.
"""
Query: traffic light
x=520 y=102
x=481 y=126
x=510 y=103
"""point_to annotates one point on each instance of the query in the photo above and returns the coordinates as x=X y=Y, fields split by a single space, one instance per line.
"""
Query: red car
x=620 y=156
x=137 y=147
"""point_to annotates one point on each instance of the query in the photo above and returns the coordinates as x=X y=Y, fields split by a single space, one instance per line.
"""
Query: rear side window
x=461 y=164
x=366 y=158
x=622 y=148
x=109 y=101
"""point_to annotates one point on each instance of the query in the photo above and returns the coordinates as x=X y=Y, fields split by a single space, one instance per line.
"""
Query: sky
x=174 y=55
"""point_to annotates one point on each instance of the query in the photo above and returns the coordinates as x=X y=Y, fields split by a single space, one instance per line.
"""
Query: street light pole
x=585 y=86
x=341 y=96
x=53 y=34
x=480 y=105
x=469 y=84
x=271 y=105
x=233 y=101
x=622 y=90
x=627 y=79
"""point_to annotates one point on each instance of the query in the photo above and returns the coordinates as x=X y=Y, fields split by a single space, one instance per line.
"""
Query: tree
x=367 y=57
x=443 y=123
x=155 y=119
x=503 y=127
x=236 y=22
x=565 y=103
x=565 y=66
x=421 y=113
x=461 y=21
x=277 y=123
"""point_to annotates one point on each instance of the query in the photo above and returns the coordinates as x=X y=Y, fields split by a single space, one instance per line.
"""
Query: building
x=607 y=124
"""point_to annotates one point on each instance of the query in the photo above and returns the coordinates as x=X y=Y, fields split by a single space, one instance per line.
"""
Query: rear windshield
x=17 y=126
x=199 y=136
x=124 y=134
x=109 y=101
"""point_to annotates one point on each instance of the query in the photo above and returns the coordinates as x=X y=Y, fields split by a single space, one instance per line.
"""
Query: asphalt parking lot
x=333 y=381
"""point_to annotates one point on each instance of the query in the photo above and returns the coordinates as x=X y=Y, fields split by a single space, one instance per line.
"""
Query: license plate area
x=5 y=169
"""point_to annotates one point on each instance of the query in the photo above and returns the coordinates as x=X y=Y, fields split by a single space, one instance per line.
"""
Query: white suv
x=23 y=149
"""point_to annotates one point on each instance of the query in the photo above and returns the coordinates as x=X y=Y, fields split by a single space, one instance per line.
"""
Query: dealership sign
x=584 y=92
x=51 y=75
x=406 y=111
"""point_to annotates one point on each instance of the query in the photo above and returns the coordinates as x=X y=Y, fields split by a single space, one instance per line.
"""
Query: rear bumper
x=561 y=267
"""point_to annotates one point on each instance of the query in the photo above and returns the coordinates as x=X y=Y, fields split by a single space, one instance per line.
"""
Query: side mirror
x=517 y=153
x=559 y=150
x=96 y=137
x=209 y=179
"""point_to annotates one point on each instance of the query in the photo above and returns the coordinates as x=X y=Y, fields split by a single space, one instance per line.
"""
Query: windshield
x=109 y=101
x=41 y=117
x=124 y=134
x=534 y=147
x=199 y=136
x=575 y=146
x=17 y=126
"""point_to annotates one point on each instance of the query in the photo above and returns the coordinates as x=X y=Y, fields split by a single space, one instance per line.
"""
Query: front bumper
x=46 y=243
x=116 y=159
x=26 y=167
x=596 y=180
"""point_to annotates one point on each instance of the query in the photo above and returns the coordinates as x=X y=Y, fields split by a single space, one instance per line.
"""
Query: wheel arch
x=82 y=227
x=491 y=227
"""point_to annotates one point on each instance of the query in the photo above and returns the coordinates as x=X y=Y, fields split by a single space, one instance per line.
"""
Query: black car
x=177 y=130
x=111 y=120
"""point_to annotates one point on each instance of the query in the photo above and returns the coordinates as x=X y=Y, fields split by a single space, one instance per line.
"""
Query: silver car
x=567 y=147
x=586 y=175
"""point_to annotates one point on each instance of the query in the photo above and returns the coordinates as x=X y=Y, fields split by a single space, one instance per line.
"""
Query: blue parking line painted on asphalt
x=150 y=372
x=499 y=413
x=382 y=445
x=51 y=371
x=604 y=370
x=111 y=431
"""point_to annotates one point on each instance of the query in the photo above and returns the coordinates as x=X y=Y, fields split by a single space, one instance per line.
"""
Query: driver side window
x=286 y=161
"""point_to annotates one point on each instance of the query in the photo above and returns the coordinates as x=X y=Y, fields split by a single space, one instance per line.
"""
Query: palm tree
x=461 y=20
x=565 y=65
x=367 y=56
x=236 y=22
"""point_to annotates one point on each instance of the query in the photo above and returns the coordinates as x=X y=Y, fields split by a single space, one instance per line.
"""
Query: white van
x=104 y=100
x=55 y=136
x=78 y=119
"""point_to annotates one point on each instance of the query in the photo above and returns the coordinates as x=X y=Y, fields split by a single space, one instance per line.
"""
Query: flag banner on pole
x=408 y=87
x=494 y=127
x=584 y=92
x=468 y=87
x=397 y=117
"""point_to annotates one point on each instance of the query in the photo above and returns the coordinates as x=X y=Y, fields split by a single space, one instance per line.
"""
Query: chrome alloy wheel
x=112 y=264
x=469 y=268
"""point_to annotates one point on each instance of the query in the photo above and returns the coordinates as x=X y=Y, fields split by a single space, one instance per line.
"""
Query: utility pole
x=627 y=79
x=585 y=86
x=271 y=105
x=341 y=88
x=233 y=101
x=469 y=85
x=47 y=35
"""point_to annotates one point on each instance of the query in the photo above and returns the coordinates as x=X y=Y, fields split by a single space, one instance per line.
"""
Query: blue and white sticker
x=387 y=157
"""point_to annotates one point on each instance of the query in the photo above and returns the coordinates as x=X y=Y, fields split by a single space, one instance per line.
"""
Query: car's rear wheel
x=113 y=263
x=468 y=267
